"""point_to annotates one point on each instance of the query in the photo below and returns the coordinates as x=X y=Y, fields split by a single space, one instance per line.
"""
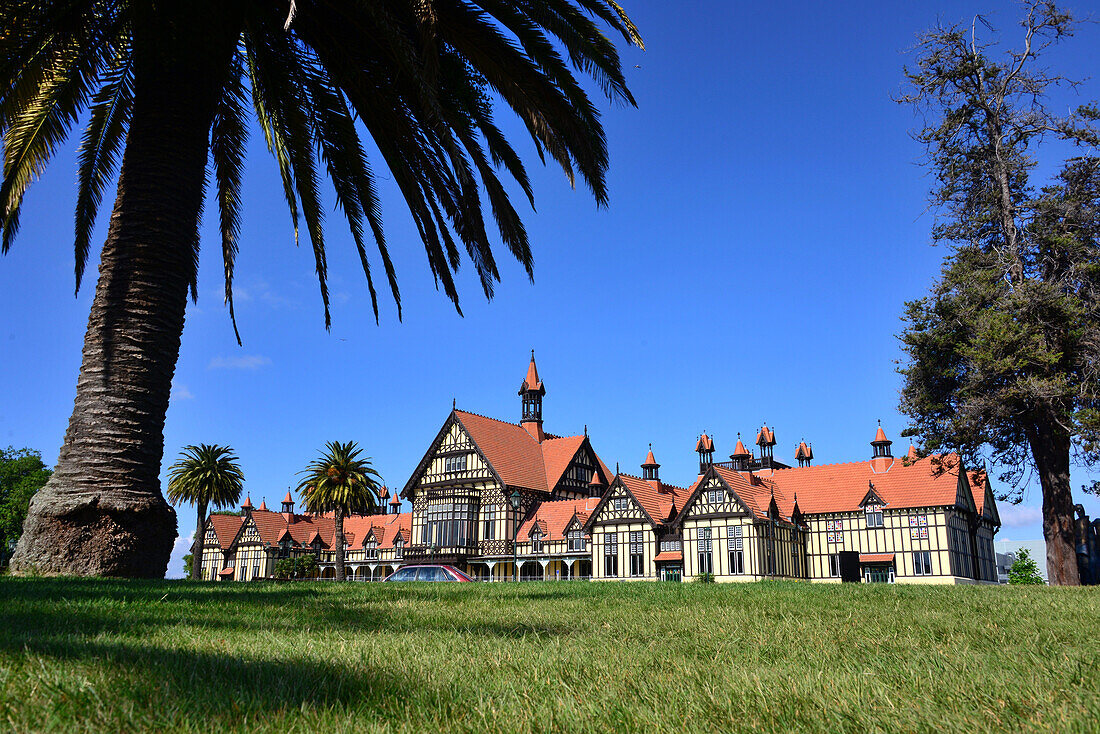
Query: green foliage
x=423 y=89
x=340 y=480
x=705 y=578
x=1024 y=570
x=187 y=561
x=206 y=475
x=1002 y=353
x=297 y=567
x=545 y=656
x=22 y=473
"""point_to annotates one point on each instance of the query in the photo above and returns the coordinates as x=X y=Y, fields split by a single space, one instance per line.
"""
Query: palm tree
x=204 y=476
x=343 y=484
x=165 y=86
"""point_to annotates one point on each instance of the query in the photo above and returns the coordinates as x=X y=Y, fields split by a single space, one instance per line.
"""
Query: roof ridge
x=662 y=483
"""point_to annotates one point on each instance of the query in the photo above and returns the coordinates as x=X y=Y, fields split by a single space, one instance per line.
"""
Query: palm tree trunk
x=102 y=512
x=338 y=541
x=199 y=546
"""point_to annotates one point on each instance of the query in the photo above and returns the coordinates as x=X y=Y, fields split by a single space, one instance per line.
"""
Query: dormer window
x=873 y=513
x=536 y=542
x=399 y=548
x=284 y=548
x=370 y=548
x=576 y=540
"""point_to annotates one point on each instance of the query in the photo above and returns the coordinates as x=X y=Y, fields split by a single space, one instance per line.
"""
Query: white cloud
x=244 y=362
x=180 y=548
x=1017 y=516
x=181 y=392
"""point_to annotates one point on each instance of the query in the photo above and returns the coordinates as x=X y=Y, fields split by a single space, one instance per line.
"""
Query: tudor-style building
x=488 y=491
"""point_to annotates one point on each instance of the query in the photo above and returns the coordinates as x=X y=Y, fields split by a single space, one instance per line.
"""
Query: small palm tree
x=204 y=476
x=341 y=483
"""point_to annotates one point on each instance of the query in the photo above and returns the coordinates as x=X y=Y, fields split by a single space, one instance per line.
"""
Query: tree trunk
x=1050 y=446
x=199 y=546
x=102 y=512
x=338 y=541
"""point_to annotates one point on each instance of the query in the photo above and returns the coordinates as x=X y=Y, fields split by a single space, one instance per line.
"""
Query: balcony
x=496 y=547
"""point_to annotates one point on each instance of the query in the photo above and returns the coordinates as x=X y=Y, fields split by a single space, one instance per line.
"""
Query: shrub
x=1024 y=570
x=705 y=578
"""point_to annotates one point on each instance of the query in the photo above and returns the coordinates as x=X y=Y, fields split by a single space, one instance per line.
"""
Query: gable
x=964 y=498
x=712 y=497
x=248 y=533
x=872 y=497
x=618 y=505
x=570 y=463
x=452 y=456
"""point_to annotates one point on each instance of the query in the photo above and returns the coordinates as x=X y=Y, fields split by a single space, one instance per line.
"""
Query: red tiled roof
x=912 y=455
x=519 y=459
x=226 y=528
x=649 y=460
x=553 y=517
x=704 y=443
x=669 y=556
x=396 y=499
x=757 y=492
x=263 y=504
x=841 y=487
x=876 y=557
x=739 y=449
x=288 y=497
x=880 y=436
x=270 y=525
x=384 y=527
x=803 y=451
x=247 y=504
x=596 y=481
x=659 y=500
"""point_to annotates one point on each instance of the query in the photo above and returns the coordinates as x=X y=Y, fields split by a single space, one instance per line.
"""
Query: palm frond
x=228 y=142
x=103 y=137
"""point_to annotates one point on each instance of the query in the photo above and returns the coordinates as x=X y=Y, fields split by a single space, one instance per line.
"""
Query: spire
x=705 y=448
x=881 y=444
x=595 y=487
x=912 y=454
x=531 y=391
x=765 y=439
x=741 y=458
x=288 y=506
x=804 y=453
x=395 y=504
x=263 y=505
x=650 y=466
x=247 y=504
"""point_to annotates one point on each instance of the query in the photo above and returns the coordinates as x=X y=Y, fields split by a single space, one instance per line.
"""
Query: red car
x=428 y=573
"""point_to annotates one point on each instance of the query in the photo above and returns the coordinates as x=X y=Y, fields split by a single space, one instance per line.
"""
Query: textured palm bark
x=338 y=541
x=1050 y=445
x=102 y=512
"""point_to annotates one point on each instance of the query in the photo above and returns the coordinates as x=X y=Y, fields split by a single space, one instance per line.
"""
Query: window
x=492 y=515
x=834 y=565
x=256 y=571
x=873 y=513
x=454 y=463
x=706 y=558
x=922 y=563
x=404 y=574
x=370 y=548
x=284 y=549
x=399 y=548
x=620 y=503
x=735 y=542
x=918 y=527
x=715 y=496
x=536 y=542
x=610 y=554
x=637 y=560
x=671 y=545
x=450 y=523
x=582 y=473
x=575 y=539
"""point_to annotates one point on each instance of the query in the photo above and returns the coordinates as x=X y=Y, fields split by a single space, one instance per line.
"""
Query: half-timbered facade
x=505 y=500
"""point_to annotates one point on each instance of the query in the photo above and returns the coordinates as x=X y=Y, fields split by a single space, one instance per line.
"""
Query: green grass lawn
x=114 y=656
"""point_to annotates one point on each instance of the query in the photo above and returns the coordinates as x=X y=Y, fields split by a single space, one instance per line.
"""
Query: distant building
x=1009 y=550
x=487 y=491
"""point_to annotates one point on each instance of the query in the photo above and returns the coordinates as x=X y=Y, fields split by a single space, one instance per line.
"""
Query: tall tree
x=1003 y=353
x=166 y=86
x=203 y=476
x=341 y=483
x=22 y=473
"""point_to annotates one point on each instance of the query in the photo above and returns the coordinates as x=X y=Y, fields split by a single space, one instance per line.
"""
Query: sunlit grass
x=123 y=656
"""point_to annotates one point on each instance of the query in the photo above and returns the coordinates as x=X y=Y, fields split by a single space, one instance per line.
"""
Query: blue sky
x=767 y=222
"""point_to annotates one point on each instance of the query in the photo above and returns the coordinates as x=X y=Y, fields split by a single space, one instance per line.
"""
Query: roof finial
x=586 y=430
x=454 y=403
x=532 y=355
x=616 y=467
